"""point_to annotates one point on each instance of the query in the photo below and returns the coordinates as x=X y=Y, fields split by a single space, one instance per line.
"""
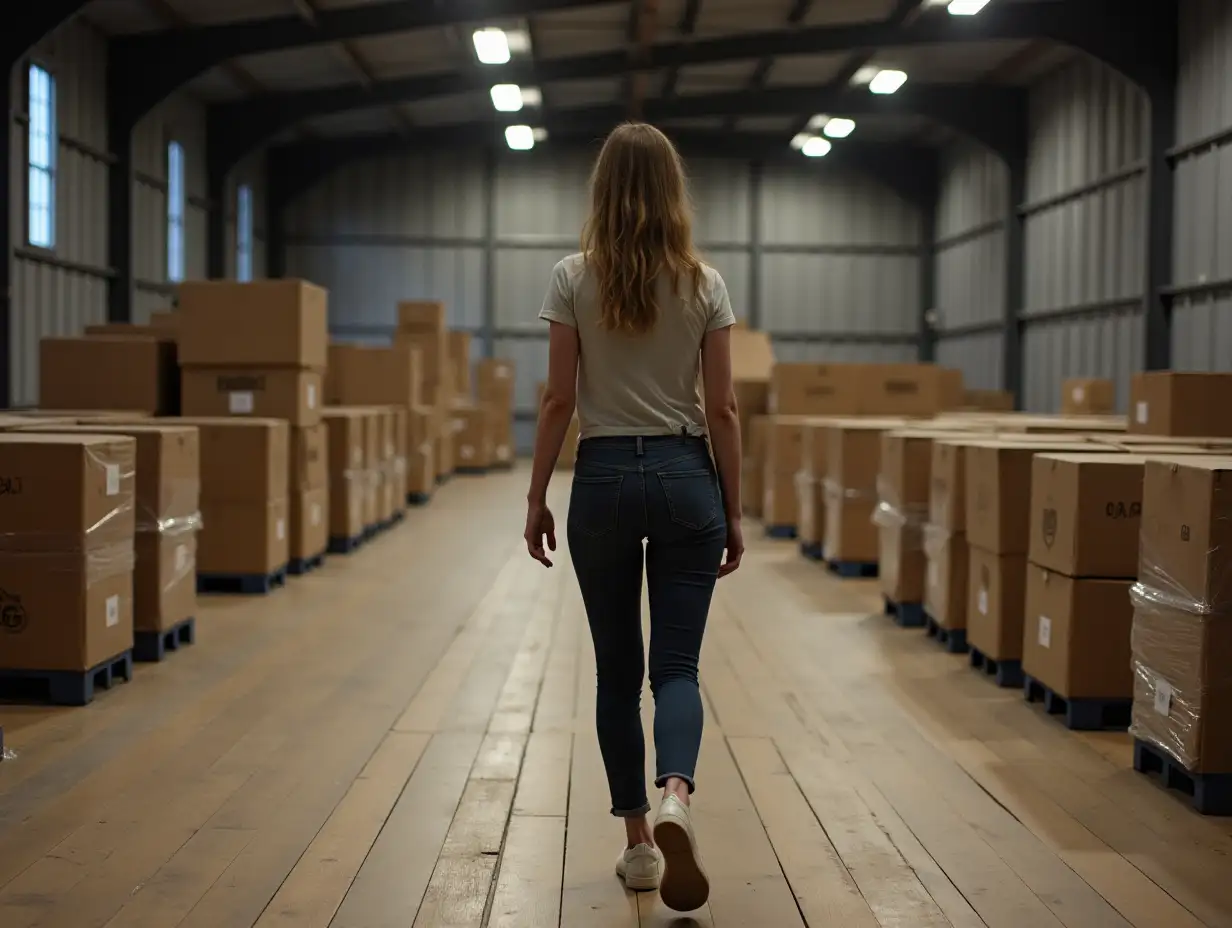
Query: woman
x=632 y=317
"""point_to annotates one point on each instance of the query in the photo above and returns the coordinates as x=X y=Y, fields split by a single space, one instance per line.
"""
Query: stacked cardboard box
x=1181 y=403
x=422 y=324
x=917 y=390
x=783 y=456
x=1182 y=623
x=810 y=489
x=1084 y=522
x=1087 y=396
x=494 y=379
x=66 y=552
x=349 y=454
x=111 y=367
x=245 y=467
x=903 y=486
x=474 y=428
x=853 y=461
x=945 y=536
x=308 y=509
x=167 y=519
x=253 y=349
x=753 y=471
x=420 y=455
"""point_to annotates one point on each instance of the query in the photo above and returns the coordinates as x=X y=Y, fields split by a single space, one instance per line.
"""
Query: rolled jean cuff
x=634 y=813
x=661 y=782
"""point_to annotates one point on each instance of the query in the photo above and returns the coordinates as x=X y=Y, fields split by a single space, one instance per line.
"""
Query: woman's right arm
x=722 y=417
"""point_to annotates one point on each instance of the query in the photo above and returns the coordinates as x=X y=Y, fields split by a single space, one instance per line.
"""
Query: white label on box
x=113 y=479
x=1163 y=696
x=113 y=611
x=982 y=603
x=181 y=558
x=1045 y=631
x=932 y=573
x=281 y=530
x=240 y=404
x=1142 y=413
x=1079 y=394
x=316 y=513
x=312 y=396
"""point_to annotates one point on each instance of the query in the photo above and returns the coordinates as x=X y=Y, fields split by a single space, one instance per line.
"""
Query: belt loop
x=641 y=450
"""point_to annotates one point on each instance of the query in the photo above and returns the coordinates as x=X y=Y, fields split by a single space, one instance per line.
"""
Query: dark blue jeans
x=665 y=492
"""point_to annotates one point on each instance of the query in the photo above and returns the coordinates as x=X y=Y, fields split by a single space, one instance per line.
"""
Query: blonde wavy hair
x=640 y=226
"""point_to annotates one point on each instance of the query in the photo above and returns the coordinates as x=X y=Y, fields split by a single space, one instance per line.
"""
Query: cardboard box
x=422 y=316
x=375 y=436
x=1186 y=541
x=309 y=458
x=901 y=563
x=421 y=457
x=784 y=457
x=1076 y=637
x=996 y=597
x=270 y=393
x=66 y=556
x=244 y=538
x=367 y=376
x=1183 y=687
x=1084 y=396
x=348 y=474
x=494 y=379
x=401 y=420
x=473 y=430
x=1181 y=403
x=853 y=453
x=752 y=356
x=167 y=321
x=309 y=521
x=999 y=492
x=1086 y=511
x=265 y=323
x=945 y=592
x=909 y=390
x=165 y=578
x=753 y=471
x=460 y=362
x=811 y=509
x=109 y=372
x=815 y=389
x=905 y=471
x=988 y=400
x=752 y=399
x=242 y=460
x=947 y=494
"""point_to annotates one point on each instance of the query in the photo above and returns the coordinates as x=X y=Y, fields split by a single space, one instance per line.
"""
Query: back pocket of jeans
x=594 y=505
x=691 y=499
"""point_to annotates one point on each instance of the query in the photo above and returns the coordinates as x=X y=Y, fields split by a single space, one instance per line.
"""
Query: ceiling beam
x=688 y=26
x=643 y=30
x=174 y=19
x=37 y=20
x=761 y=74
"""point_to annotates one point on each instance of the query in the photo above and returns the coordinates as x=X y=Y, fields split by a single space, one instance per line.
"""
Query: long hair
x=640 y=226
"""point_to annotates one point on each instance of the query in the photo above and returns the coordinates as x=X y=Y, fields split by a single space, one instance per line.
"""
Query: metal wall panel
x=1085 y=235
x=51 y=299
x=1202 y=244
x=791 y=351
x=251 y=172
x=980 y=356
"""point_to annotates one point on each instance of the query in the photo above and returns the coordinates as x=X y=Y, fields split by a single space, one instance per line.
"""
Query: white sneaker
x=685 y=886
x=640 y=867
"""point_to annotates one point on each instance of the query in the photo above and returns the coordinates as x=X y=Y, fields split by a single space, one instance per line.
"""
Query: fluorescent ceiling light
x=520 y=138
x=865 y=74
x=887 y=81
x=540 y=134
x=966 y=7
x=518 y=41
x=800 y=141
x=491 y=46
x=532 y=96
x=816 y=147
x=507 y=98
x=839 y=127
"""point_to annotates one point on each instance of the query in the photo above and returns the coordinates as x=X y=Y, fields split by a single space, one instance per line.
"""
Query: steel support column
x=216 y=218
x=275 y=223
x=6 y=242
x=1159 y=226
x=1015 y=261
x=489 y=252
x=928 y=277
x=757 y=171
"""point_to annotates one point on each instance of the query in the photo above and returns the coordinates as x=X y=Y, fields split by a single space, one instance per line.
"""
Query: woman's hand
x=735 y=548
x=540 y=523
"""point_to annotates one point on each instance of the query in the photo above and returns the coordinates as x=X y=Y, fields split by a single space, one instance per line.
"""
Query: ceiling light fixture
x=887 y=82
x=491 y=46
x=520 y=138
x=816 y=147
x=839 y=127
x=507 y=98
x=966 y=7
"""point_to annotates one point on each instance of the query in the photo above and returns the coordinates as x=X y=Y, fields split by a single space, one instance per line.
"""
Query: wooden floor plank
x=528 y=889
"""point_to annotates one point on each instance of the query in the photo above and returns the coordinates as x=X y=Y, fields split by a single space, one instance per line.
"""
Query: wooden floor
x=405 y=739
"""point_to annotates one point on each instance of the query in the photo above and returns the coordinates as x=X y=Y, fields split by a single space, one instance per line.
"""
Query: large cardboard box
x=853 y=455
x=109 y=372
x=1086 y=511
x=753 y=471
x=1181 y=403
x=422 y=316
x=1182 y=685
x=66 y=551
x=495 y=389
x=816 y=389
x=265 y=323
x=945 y=592
x=361 y=375
x=460 y=362
x=752 y=356
x=901 y=563
x=420 y=456
x=903 y=487
x=265 y=393
x=996 y=598
x=1085 y=396
x=909 y=390
x=988 y=400
x=309 y=458
x=376 y=434
x=309 y=523
x=167 y=517
x=473 y=430
x=348 y=474
x=398 y=469
x=784 y=456
x=1076 y=637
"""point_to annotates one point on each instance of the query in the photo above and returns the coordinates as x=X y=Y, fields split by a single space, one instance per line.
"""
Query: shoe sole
x=644 y=884
x=684 y=886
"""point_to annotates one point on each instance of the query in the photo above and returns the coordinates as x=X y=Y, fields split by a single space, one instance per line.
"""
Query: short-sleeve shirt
x=639 y=385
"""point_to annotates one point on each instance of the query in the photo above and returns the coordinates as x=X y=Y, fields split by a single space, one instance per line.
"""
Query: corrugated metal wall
x=838 y=279
x=970 y=264
x=60 y=292
x=1202 y=245
x=1085 y=236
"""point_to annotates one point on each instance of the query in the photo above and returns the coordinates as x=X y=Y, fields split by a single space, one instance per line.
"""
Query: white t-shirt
x=647 y=384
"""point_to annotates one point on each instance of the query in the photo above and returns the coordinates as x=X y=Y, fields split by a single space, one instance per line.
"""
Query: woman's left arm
x=555 y=414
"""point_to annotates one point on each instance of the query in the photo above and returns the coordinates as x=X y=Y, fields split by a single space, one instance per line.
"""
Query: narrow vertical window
x=243 y=234
x=175 y=212
x=42 y=140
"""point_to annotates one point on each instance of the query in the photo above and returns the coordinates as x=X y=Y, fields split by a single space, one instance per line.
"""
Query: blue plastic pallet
x=1209 y=793
x=812 y=550
x=908 y=615
x=340 y=544
x=245 y=584
x=150 y=647
x=1 y=745
x=303 y=565
x=418 y=499
x=953 y=640
x=1004 y=672
x=854 y=570
x=1080 y=714
x=472 y=471
x=65 y=687
x=781 y=532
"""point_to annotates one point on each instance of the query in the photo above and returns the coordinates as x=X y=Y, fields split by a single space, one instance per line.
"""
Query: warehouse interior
x=309 y=241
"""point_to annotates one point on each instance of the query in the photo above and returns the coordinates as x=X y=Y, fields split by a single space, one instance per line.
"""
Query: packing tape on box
x=936 y=537
x=1157 y=585
x=835 y=490
x=892 y=514
x=181 y=506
